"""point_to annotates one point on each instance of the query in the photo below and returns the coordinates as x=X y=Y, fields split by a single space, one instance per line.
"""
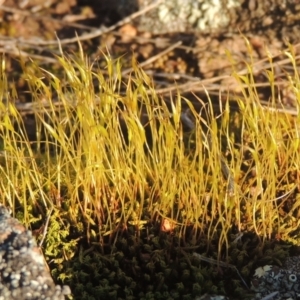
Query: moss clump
x=132 y=193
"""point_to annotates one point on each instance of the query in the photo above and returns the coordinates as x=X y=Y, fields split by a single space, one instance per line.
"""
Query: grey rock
x=23 y=271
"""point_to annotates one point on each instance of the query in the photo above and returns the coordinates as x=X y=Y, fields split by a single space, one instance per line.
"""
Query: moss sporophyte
x=139 y=182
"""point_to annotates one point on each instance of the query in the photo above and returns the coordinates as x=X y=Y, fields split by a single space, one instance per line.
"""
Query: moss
x=132 y=194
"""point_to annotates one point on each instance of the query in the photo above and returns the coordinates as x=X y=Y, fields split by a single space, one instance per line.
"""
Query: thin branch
x=17 y=52
x=45 y=228
x=36 y=16
x=86 y=36
x=220 y=263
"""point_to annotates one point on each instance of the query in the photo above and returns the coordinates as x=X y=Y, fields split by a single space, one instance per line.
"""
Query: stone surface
x=182 y=15
x=23 y=271
x=272 y=282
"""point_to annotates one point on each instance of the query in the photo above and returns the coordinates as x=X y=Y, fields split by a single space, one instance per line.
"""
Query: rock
x=23 y=270
x=276 y=281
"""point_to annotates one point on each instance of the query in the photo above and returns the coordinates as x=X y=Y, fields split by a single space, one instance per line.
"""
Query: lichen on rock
x=23 y=270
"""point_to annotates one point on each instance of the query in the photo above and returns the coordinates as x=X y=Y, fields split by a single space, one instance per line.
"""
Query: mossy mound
x=152 y=264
